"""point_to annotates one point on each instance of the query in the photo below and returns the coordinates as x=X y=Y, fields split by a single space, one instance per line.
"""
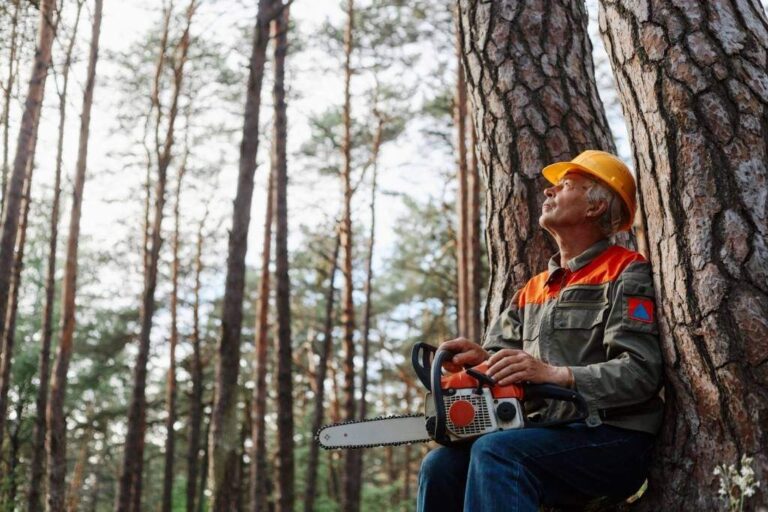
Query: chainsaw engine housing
x=470 y=413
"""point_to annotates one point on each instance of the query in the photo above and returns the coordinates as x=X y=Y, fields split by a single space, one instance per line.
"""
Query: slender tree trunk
x=285 y=466
x=13 y=456
x=7 y=93
x=462 y=199
x=76 y=485
x=531 y=79
x=196 y=399
x=474 y=261
x=223 y=439
x=34 y=503
x=241 y=486
x=201 y=502
x=13 y=192
x=350 y=499
x=318 y=407
x=691 y=79
x=170 y=442
x=56 y=421
x=130 y=485
x=259 y=444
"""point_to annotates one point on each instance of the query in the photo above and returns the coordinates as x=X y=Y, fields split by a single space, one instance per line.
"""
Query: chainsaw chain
x=378 y=418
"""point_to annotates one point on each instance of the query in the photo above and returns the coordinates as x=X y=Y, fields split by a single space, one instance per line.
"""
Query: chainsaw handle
x=440 y=434
x=551 y=391
x=421 y=358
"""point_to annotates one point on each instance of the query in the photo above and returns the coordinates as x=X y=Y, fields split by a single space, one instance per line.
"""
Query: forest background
x=388 y=165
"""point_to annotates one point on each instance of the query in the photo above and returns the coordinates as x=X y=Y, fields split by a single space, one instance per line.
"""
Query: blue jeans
x=518 y=470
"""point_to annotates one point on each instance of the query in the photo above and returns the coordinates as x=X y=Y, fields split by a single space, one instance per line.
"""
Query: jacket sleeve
x=632 y=370
x=506 y=330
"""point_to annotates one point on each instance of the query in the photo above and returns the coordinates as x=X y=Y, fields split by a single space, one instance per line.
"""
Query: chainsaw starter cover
x=461 y=413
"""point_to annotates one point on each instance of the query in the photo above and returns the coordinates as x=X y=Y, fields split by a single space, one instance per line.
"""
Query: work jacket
x=598 y=317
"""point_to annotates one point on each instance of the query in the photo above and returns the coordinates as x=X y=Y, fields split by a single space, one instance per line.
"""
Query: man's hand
x=510 y=366
x=467 y=353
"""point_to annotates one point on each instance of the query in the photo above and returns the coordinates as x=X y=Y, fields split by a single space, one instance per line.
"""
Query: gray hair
x=615 y=214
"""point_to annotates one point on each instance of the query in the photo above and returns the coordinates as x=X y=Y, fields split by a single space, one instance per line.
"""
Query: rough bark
x=129 y=491
x=692 y=83
x=350 y=477
x=196 y=398
x=55 y=418
x=285 y=464
x=223 y=442
x=259 y=445
x=13 y=192
x=170 y=392
x=318 y=407
x=37 y=463
x=531 y=80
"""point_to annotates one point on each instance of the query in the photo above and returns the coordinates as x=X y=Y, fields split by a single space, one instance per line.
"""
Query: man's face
x=566 y=203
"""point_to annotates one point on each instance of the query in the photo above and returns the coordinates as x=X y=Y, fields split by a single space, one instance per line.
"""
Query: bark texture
x=55 y=418
x=285 y=465
x=531 y=80
x=224 y=438
x=693 y=85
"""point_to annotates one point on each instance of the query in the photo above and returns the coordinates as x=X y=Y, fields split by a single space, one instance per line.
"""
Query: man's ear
x=596 y=209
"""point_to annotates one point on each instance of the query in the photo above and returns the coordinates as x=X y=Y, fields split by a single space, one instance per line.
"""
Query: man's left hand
x=510 y=366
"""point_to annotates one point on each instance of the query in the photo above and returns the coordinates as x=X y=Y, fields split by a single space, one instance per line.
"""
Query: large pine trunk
x=692 y=82
x=223 y=442
x=14 y=192
x=531 y=80
x=55 y=418
x=34 y=503
x=285 y=465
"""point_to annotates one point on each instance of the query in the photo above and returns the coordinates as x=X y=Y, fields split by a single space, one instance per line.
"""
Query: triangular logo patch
x=640 y=309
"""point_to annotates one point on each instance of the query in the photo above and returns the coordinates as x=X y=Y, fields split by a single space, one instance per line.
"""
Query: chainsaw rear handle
x=422 y=355
x=440 y=433
x=554 y=392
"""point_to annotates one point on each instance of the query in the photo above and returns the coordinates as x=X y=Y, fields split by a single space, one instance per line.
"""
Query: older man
x=587 y=323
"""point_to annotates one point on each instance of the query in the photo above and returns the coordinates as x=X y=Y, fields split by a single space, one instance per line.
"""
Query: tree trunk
x=196 y=399
x=38 y=450
x=76 y=485
x=13 y=192
x=224 y=425
x=474 y=255
x=170 y=442
x=130 y=485
x=285 y=464
x=259 y=445
x=201 y=507
x=56 y=421
x=698 y=122
x=350 y=478
x=531 y=79
x=318 y=407
x=462 y=199
x=13 y=456
x=7 y=93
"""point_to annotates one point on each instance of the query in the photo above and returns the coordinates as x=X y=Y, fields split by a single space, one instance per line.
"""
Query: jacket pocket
x=581 y=307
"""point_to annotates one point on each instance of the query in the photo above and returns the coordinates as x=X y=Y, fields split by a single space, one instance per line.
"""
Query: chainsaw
x=459 y=407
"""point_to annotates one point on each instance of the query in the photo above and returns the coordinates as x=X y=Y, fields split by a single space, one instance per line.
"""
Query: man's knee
x=437 y=463
x=497 y=447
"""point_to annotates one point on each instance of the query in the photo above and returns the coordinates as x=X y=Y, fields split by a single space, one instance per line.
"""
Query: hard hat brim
x=555 y=172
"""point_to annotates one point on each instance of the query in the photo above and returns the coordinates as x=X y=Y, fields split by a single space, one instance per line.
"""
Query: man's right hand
x=466 y=353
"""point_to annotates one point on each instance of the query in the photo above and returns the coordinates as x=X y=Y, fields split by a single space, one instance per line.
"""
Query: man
x=587 y=323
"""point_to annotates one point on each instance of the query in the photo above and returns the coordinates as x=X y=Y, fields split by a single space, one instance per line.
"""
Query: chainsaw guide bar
x=393 y=431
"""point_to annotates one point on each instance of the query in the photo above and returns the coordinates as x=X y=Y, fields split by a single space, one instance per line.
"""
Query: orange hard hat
x=605 y=167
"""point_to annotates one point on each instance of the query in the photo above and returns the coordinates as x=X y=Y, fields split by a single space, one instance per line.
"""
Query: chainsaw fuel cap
x=461 y=413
